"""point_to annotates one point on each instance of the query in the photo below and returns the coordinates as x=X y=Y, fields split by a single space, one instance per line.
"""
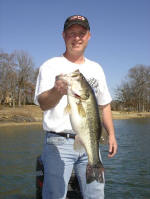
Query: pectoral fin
x=81 y=109
x=67 y=109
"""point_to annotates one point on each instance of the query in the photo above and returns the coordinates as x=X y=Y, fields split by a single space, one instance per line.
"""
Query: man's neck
x=77 y=59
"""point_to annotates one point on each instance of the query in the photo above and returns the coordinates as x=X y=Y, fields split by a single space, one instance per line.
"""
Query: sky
x=120 y=32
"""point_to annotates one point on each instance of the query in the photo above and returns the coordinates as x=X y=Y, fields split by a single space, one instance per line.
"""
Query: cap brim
x=76 y=22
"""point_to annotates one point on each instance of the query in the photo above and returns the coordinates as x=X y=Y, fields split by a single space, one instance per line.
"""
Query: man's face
x=76 y=39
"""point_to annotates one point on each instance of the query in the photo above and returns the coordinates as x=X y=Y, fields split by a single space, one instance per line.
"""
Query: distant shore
x=32 y=115
x=129 y=115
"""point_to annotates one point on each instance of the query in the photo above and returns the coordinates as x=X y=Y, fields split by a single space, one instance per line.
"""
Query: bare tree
x=25 y=75
x=7 y=76
x=140 y=80
x=17 y=78
x=134 y=93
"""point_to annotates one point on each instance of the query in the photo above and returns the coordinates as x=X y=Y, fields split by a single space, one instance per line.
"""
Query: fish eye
x=83 y=77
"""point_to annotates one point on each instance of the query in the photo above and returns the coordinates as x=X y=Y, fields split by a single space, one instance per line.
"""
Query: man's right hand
x=61 y=85
x=50 y=98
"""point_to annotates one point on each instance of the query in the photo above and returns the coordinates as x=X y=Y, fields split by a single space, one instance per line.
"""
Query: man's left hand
x=112 y=146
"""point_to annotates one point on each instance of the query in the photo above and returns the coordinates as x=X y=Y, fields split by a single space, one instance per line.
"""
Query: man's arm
x=51 y=98
x=108 y=124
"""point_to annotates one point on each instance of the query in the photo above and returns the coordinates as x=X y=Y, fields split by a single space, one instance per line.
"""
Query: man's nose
x=77 y=37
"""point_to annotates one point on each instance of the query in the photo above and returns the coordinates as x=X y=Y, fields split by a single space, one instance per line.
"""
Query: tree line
x=134 y=92
x=18 y=76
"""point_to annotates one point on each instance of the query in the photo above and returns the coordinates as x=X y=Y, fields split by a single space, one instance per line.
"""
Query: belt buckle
x=68 y=135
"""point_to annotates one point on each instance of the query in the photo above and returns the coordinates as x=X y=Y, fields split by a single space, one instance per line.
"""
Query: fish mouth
x=76 y=95
x=82 y=97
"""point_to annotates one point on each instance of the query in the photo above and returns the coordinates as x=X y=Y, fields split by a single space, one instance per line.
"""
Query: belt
x=66 y=135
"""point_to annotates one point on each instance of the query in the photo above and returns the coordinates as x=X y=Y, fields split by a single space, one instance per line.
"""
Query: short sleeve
x=103 y=94
x=45 y=81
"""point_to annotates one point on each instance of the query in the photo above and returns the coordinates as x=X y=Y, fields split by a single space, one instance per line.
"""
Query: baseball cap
x=76 y=19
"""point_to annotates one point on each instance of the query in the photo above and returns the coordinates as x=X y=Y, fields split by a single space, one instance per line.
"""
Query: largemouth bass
x=85 y=120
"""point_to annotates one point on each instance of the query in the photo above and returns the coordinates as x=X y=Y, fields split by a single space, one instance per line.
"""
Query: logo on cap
x=77 y=17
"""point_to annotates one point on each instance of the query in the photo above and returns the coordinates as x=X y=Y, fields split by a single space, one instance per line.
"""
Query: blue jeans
x=59 y=158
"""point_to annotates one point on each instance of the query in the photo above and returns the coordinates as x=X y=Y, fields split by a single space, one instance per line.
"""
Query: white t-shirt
x=56 y=119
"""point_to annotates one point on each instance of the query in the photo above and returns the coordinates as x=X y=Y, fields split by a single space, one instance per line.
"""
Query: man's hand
x=112 y=146
x=60 y=85
x=50 y=98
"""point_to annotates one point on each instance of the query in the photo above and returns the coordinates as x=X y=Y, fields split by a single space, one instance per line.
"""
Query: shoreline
x=32 y=115
x=7 y=124
x=116 y=116
x=121 y=115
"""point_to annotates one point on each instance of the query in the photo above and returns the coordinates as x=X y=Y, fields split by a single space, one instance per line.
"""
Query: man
x=59 y=156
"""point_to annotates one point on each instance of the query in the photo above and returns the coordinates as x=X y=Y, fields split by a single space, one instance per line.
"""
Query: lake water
x=127 y=174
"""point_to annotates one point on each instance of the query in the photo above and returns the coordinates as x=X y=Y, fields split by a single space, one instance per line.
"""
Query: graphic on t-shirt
x=94 y=84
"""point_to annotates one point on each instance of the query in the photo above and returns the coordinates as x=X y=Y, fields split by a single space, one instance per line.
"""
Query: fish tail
x=94 y=172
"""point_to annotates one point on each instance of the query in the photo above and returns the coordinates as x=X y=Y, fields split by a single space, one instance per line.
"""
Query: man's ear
x=89 y=35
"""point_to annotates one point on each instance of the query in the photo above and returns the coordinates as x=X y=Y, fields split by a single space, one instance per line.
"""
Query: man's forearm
x=49 y=99
x=107 y=119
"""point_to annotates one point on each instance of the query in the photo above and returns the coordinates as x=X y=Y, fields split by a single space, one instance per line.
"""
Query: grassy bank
x=24 y=115
x=32 y=114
